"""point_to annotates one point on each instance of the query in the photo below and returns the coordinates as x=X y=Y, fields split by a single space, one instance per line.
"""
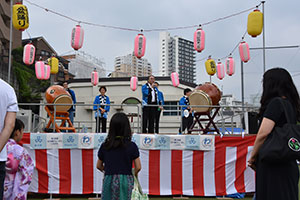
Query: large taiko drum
x=56 y=94
x=206 y=94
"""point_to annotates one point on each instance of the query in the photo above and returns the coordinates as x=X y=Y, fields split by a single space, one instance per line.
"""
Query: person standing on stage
x=161 y=102
x=187 y=113
x=8 y=110
x=150 y=98
x=102 y=108
x=72 y=109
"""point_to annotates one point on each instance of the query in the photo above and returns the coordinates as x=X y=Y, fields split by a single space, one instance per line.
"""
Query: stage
x=215 y=172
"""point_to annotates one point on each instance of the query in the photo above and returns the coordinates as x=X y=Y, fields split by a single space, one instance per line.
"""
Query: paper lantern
x=77 y=37
x=53 y=62
x=139 y=45
x=244 y=51
x=199 y=40
x=28 y=54
x=230 y=66
x=220 y=70
x=42 y=71
x=210 y=66
x=20 y=17
x=175 y=79
x=255 y=23
x=94 y=78
x=133 y=83
x=47 y=72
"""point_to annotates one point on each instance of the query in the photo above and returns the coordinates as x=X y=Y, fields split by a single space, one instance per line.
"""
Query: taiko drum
x=206 y=94
x=56 y=94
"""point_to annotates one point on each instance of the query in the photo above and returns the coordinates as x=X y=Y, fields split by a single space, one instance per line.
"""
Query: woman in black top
x=115 y=158
x=275 y=180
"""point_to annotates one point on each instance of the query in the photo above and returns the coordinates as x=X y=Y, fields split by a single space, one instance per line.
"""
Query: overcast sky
x=282 y=27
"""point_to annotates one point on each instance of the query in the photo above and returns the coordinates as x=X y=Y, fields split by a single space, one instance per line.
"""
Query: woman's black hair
x=103 y=88
x=18 y=127
x=277 y=82
x=119 y=133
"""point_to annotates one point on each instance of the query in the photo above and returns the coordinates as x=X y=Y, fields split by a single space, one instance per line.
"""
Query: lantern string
x=28 y=34
x=236 y=46
x=138 y=30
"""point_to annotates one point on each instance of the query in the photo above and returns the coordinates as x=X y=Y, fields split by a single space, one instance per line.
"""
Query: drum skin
x=198 y=97
x=56 y=94
x=212 y=90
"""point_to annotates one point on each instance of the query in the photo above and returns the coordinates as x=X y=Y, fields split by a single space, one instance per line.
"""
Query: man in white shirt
x=8 y=110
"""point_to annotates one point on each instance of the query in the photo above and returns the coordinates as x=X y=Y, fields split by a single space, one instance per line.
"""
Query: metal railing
x=84 y=120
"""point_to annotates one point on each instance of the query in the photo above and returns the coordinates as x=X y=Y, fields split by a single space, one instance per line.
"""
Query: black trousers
x=186 y=123
x=148 y=119
x=156 y=122
x=101 y=121
x=2 y=177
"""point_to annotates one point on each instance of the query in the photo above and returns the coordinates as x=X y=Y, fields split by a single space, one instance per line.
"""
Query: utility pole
x=10 y=41
x=264 y=42
x=259 y=48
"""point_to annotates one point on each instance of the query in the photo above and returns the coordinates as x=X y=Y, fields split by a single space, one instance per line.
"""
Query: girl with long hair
x=115 y=158
x=276 y=180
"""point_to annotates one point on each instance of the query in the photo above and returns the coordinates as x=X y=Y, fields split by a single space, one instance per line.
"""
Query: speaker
x=253 y=122
x=26 y=117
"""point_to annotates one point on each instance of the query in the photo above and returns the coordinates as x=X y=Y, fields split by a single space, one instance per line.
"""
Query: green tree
x=30 y=88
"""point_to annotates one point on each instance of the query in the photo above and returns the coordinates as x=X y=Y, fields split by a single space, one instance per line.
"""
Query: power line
x=137 y=30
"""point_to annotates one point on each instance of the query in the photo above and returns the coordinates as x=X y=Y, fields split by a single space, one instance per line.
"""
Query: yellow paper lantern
x=20 y=17
x=53 y=62
x=210 y=66
x=255 y=23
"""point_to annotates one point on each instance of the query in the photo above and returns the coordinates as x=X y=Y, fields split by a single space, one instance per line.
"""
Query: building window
x=171 y=108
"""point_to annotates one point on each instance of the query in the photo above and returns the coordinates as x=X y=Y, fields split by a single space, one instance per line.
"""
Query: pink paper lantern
x=175 y=79
x=133 y=83
x=244 y=51
x=220 y=70
x=139 y=45
x=47 y=72
x=28 y=54
x=199 y=40
x=42 y=71
x=94 y=78
x=77 y=37
x=230 y=66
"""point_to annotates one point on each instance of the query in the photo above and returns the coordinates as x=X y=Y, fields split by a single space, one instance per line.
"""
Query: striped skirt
x=117 y=187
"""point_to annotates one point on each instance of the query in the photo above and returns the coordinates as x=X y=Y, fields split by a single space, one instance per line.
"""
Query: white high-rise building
x=130 y=65
x=177 y=54
x=83 y=64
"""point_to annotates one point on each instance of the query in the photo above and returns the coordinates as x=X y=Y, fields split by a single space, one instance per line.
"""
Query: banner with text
x=143 y=141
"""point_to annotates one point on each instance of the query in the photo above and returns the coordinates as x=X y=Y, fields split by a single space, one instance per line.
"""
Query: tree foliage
x=30 y=88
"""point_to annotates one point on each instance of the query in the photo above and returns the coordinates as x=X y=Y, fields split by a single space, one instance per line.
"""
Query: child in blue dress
x=115 y=158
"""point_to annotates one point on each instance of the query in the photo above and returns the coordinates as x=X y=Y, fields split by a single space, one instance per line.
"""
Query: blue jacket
x=145 y=92
x=160 y=97
x=97 y=106
x=183 y=101
x=72 y=93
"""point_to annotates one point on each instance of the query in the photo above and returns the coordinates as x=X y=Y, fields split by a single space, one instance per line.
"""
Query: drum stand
x=210 y=119
x=64 y=116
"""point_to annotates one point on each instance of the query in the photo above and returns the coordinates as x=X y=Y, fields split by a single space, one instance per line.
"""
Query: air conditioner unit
x=26 y=117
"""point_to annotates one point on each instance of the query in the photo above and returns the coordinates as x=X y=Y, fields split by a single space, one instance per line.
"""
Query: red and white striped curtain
x=164 y=172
